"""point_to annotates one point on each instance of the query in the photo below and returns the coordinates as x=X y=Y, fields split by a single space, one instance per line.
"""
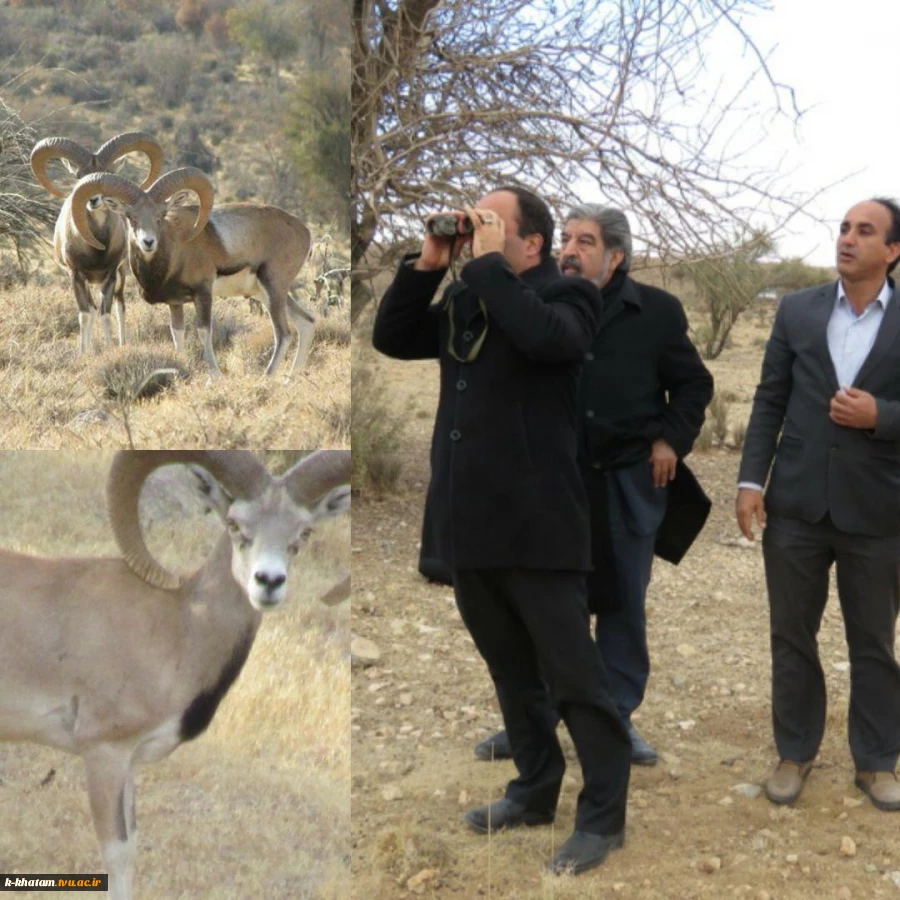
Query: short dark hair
x=534 y=216
x=893 y=234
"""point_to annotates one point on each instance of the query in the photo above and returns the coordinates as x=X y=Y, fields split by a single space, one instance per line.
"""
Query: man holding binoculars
x=506 y=510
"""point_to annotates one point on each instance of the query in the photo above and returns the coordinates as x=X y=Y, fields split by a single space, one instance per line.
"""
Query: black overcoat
x=643 y=380
x=505 y=488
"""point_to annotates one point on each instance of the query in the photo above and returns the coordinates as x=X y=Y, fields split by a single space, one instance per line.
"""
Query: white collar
x=884 y=295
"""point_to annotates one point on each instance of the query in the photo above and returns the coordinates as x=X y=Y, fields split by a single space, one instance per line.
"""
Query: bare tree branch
x=451 y=98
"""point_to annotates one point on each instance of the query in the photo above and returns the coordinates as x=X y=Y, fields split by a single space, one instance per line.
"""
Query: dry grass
x=259 y=805
x=50 y=398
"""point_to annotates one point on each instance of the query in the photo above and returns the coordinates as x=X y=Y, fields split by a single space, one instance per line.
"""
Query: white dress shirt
x=850 y=339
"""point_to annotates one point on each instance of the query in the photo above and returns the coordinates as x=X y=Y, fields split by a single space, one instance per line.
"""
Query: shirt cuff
x=749 y=485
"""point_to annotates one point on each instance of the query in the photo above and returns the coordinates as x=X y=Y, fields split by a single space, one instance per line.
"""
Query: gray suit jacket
x=820 y=467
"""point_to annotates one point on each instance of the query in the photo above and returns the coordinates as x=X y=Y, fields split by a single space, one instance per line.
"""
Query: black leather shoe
x=494 y=747
x=583 y=851
x=642 y=754
x=504 y=814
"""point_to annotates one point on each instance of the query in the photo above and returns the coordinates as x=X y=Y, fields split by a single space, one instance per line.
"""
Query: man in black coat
x=506 y=511
x=641 y=405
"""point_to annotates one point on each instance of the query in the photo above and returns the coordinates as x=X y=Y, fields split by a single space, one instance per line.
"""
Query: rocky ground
x=698 y=826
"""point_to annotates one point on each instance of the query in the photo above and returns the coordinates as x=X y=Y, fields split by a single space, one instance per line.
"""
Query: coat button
x=589 y=357
x=589 y=413
x=467 y=336
x=461 y=385
x=596 y=465
x=455 y=435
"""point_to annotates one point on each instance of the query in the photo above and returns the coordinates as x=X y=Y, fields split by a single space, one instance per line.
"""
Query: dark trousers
x=533 y=630
x=626 y=511
x=798 y=557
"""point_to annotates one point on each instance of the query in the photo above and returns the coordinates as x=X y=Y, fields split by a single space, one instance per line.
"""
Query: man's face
x=862 y=248
x=520 y=253
x=584 y=253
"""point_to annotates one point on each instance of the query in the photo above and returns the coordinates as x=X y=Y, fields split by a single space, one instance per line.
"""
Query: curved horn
x=132 y=142
x=238 y=471
x=307 y=481
x=186 y=179
x=105 y=183
x=56 y=148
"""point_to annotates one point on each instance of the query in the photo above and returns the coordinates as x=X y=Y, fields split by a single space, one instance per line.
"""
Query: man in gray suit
x=828 y=409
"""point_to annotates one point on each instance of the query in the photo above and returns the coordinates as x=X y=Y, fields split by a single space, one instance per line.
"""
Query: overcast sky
x=843 y=61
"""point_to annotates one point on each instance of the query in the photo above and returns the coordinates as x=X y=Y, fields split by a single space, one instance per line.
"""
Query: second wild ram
x=189 y=254
x=119 y=660
x=90 y=266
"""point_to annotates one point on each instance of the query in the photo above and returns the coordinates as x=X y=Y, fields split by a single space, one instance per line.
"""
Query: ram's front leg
x=119 y=295
x=176 y=325
x=108 y=292
x=111 y=794
x=203 y=305
x=86 y=311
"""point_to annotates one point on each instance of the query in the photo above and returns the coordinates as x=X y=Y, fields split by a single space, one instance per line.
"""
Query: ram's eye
x=233 y=526
x=307 y=532
x=294 y=549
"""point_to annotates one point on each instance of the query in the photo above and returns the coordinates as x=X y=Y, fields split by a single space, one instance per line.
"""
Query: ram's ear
x=213 y=496
x=335 y=502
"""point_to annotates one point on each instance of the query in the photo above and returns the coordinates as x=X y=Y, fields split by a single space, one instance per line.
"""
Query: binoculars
x=449 y=226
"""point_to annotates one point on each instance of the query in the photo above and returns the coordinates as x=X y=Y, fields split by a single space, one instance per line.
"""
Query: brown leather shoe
x=883 y=788
x=786 y=781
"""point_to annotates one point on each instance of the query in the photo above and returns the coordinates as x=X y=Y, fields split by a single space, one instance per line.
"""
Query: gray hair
x=614 y=228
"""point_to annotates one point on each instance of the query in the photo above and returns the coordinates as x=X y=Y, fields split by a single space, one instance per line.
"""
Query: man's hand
x=853 y=408
x=663 y=459
x=490 y=231
x=749 y=504
x=439 y=251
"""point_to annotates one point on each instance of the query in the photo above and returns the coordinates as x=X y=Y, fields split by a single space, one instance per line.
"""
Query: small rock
x=709 y=865
x=392 y=792
x=618 y=887
x=841 y=666
x=848 y=846
x=748 y=790
x=687 y=724
x=405 y=699
x=843 y=893
x=852 y=802
x=895 y=877
x=726 y=801
x=871 y=868
x=677 y=681
x=792 y=858
x=417 y=883
x=363 y=652
x=686 y=650
x=464 y=799
x=763 y=895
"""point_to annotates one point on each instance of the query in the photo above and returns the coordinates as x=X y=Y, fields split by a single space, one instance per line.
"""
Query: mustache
x=570 y=262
